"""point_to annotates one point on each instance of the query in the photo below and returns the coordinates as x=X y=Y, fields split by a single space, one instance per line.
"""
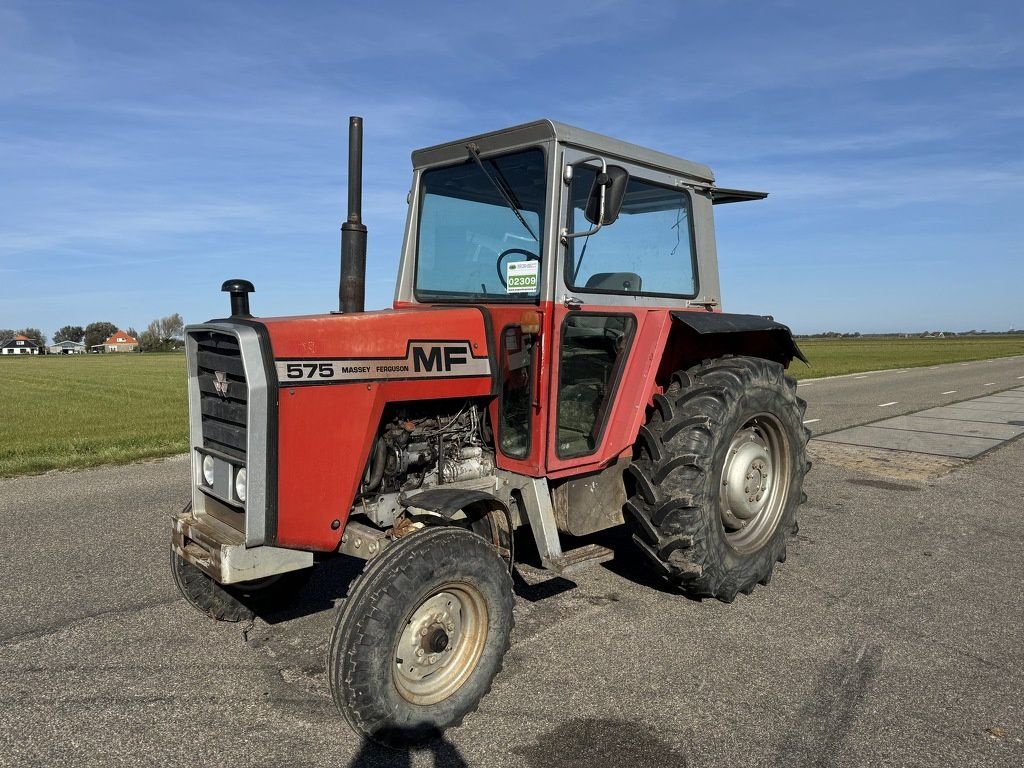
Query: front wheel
x=421 y=635
x=717 y=476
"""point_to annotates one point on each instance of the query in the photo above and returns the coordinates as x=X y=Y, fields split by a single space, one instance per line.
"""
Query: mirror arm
x=565 y=235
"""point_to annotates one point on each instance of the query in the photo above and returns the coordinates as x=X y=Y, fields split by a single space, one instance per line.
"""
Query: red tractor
x=556 y=357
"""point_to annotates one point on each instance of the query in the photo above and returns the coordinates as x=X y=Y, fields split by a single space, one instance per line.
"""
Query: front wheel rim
x=441 y=643
x=755 y=483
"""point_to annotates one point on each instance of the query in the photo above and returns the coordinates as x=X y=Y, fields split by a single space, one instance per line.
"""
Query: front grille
x=219 y=363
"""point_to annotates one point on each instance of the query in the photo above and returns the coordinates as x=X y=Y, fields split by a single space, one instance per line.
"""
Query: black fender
x=753 y=335
x=445 y=502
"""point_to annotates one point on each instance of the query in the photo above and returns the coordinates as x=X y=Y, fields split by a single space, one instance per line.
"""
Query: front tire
x=718 y=474
x=421 y=636
x=237 y=602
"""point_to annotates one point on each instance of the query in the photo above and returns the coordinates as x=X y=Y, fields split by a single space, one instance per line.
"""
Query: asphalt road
x=891 y=636
x=859 y=398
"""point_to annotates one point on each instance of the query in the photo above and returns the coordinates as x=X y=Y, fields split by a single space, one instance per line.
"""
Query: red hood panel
x=372 y=335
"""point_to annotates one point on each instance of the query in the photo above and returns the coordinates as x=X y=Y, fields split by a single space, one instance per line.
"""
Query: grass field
x=67 y=411
x=72 y=412
x=834 y=357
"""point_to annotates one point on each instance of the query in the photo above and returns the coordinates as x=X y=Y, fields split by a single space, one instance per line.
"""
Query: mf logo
x=221 y=383
x=439 y=358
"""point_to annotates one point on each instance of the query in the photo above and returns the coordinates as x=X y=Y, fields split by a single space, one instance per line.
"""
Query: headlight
x=208 y=469
x=240 y=484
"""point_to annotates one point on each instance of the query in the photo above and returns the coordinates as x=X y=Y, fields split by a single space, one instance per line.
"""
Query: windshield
x=471 y=245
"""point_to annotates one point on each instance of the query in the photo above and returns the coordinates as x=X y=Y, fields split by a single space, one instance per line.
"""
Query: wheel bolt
x=423 y=632
x=433 y=659
x=419 y=652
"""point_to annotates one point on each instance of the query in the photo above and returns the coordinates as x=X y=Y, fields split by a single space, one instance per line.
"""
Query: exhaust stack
x=352 y=289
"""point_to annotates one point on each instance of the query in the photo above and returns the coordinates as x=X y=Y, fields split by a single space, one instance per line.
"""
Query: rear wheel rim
x=755 y=483
x=441 y=643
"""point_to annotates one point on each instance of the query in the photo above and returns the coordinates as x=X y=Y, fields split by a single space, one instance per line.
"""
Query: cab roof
x=567 y=135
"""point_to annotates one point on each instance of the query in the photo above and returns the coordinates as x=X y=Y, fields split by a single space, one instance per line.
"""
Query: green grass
x=834 y=357
x=72 y=412
x=64 y=412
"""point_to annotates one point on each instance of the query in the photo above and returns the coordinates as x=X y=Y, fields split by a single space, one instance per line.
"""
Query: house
x=67 y=348
x=19 y=345
x=120 y=342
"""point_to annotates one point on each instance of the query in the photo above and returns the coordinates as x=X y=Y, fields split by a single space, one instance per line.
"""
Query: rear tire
x=421 y=636
x=718 y=474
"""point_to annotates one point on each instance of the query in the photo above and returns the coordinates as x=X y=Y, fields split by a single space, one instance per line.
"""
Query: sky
x=151 y=150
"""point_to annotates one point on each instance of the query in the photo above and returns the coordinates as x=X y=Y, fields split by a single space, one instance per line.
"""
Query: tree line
x=162 y=335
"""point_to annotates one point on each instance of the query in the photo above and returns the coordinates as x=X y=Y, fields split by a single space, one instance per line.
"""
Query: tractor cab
x=579 y=246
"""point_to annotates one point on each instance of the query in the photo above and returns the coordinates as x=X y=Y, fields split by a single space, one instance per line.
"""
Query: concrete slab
x=1011 y=400
x=953 y=427
x=989 y=405
x=967 y=414
x=917 y=442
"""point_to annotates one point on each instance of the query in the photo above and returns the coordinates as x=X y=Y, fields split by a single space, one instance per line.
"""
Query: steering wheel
x=509 y=252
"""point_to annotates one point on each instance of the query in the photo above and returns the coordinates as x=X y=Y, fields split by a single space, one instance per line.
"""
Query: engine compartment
x=421 y=446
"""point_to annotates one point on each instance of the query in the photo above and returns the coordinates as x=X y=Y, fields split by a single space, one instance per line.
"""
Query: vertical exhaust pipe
x=352 y=289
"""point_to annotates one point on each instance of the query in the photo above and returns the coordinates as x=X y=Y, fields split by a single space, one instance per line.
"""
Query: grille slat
x=218 y=361
x=224 y=416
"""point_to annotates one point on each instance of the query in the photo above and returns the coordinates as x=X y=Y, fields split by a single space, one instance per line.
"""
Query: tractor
x=556 y=358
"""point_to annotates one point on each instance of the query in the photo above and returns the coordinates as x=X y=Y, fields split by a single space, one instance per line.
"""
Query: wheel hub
x=438 y=641
x=747 y=477
x=440 y=645
x=754 y=483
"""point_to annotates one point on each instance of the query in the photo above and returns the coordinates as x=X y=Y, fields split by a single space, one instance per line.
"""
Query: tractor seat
x=620 y=282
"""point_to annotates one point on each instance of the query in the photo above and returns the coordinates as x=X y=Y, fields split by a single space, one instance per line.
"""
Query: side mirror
x=605 y=199
x=606 y=195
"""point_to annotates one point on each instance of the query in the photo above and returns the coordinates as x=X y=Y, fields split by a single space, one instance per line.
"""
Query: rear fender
x=697 y=336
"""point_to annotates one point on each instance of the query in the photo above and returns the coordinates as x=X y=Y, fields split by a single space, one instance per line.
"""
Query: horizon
x=151 y=152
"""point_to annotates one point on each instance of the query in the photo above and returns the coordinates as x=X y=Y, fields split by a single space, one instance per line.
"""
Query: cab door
x=615 y=290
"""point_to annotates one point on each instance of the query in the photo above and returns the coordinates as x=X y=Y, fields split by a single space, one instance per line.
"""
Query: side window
x=517 y=354
x=593 y=352
x=647 y=251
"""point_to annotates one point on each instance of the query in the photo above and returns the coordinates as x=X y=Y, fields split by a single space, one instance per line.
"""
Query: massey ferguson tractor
x=556 y=358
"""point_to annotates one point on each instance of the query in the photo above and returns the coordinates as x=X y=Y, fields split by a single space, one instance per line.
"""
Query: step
x=578 y=559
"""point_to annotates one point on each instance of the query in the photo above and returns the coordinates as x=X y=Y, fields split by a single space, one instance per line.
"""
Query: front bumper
x=219 y=551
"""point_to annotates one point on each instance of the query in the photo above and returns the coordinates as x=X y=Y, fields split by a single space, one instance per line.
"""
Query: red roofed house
x=19 y=345
x=120 y=342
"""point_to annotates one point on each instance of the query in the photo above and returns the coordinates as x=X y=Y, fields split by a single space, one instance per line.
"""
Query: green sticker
x=522 y=276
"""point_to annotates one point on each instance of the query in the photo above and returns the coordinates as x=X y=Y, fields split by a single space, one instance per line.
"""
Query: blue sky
x=149 y=150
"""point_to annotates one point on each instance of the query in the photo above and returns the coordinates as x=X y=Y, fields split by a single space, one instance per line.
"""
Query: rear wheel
x=421 y=635
x=718 y=474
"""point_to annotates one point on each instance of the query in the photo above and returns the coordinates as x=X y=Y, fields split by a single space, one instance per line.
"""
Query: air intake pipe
x=352 y=289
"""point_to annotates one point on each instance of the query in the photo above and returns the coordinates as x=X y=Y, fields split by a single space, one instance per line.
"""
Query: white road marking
x=811 y=421
x=886 y=405
x=860 y=377
x=804 y=383
x=1020 y=377
x=990 y=384
x=951 y=392
x=933 y=368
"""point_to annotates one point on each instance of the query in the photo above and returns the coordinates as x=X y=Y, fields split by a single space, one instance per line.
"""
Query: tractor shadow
x=630 y=563
x=329 y=583
x=371 y=755
x=332 y=578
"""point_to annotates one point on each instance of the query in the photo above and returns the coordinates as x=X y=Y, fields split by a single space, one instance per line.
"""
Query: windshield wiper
x=506 y=192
